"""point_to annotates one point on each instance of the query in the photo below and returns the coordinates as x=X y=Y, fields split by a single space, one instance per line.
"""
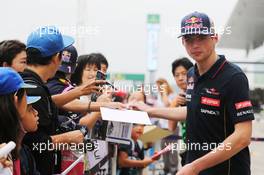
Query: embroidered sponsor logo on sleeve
x=243 y=104
x=240 y=114
x=210 y=101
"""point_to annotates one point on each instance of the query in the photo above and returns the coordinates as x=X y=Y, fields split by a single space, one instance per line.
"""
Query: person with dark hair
x=218 y=110
x=180 y=68
x=61 y=80
x=75 y=113
x=13 y=54
x=87 y=66
x=184 y=62
x=14 y=111
x=131 y=159
x=61 y=83
x=44 y=49
x=103 y=60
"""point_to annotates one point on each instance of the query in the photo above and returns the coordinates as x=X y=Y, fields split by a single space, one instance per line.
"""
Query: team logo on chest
x=190 y=83
x=210 y=101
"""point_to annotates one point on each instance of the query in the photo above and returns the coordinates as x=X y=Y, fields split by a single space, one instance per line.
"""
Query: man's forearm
x=64 y=98
x=90 y=119
x=176 y=114
x=133 y=163
x=60 y=138
x=82 y=107
x=231 y=146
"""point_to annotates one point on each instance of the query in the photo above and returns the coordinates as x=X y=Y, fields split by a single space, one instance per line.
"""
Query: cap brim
x=180 y=36
x=194 y=34
x=27 y=86
x=32 y=99
x=67 y=41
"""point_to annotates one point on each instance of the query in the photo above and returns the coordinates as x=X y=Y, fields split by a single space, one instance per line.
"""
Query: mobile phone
x=100 y=75
x=182 y=95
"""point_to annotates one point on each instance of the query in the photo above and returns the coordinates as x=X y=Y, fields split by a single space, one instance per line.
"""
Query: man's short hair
x=185 y=62
x=102 y=58
x=34 y=57
x=9 y=49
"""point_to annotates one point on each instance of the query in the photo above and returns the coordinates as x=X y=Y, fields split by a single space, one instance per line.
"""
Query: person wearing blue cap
x=14 y=110
x=44 y=47
x=218 y=110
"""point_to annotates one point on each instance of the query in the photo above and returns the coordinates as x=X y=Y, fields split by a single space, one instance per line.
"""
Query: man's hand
x=91 y=87
x=4 y=163
x=147 y=161
x=104 y=98
x=188 y=169
x=115 y=105
x=75 y=136
x=141 y=106
x=155 y=157
x=179 y=100
x=107 y=102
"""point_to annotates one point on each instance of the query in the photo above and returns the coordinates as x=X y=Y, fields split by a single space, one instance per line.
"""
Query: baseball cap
x=11 y=81
x=197 y=23
x=68 y=61
x=48 y=40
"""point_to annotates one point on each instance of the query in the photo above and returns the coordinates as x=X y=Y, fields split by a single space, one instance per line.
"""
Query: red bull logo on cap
x=194 y=22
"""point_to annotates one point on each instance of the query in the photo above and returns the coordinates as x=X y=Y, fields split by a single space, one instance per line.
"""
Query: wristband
x=89 y=107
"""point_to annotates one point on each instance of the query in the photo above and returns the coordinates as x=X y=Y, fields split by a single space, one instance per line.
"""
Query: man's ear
x=182 y=41
x=55 y=58
x=215 y=37
x=15 y=100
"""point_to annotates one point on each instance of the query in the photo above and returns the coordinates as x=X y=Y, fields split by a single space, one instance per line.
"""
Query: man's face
x=56 y=63
x=19 y=63
x=30 y=119
x=199 y=47
x=104 y=68
x=137 y=131
x=180 y=77
x=89 y=72
x=67 y=55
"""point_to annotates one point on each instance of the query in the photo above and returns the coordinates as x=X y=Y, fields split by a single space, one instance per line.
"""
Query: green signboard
x=153 y=19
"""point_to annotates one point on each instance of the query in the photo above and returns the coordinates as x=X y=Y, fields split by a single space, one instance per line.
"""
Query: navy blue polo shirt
x=216 y=101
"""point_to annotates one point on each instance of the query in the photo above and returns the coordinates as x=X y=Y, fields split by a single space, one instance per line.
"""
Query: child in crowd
x=131 y=159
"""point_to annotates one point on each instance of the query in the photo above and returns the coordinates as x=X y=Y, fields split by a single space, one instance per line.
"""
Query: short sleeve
x=239 y=106
x=124 y=148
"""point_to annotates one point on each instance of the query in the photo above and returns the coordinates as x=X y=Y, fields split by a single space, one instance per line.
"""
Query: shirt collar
x=214 y=70
x=33 y=74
